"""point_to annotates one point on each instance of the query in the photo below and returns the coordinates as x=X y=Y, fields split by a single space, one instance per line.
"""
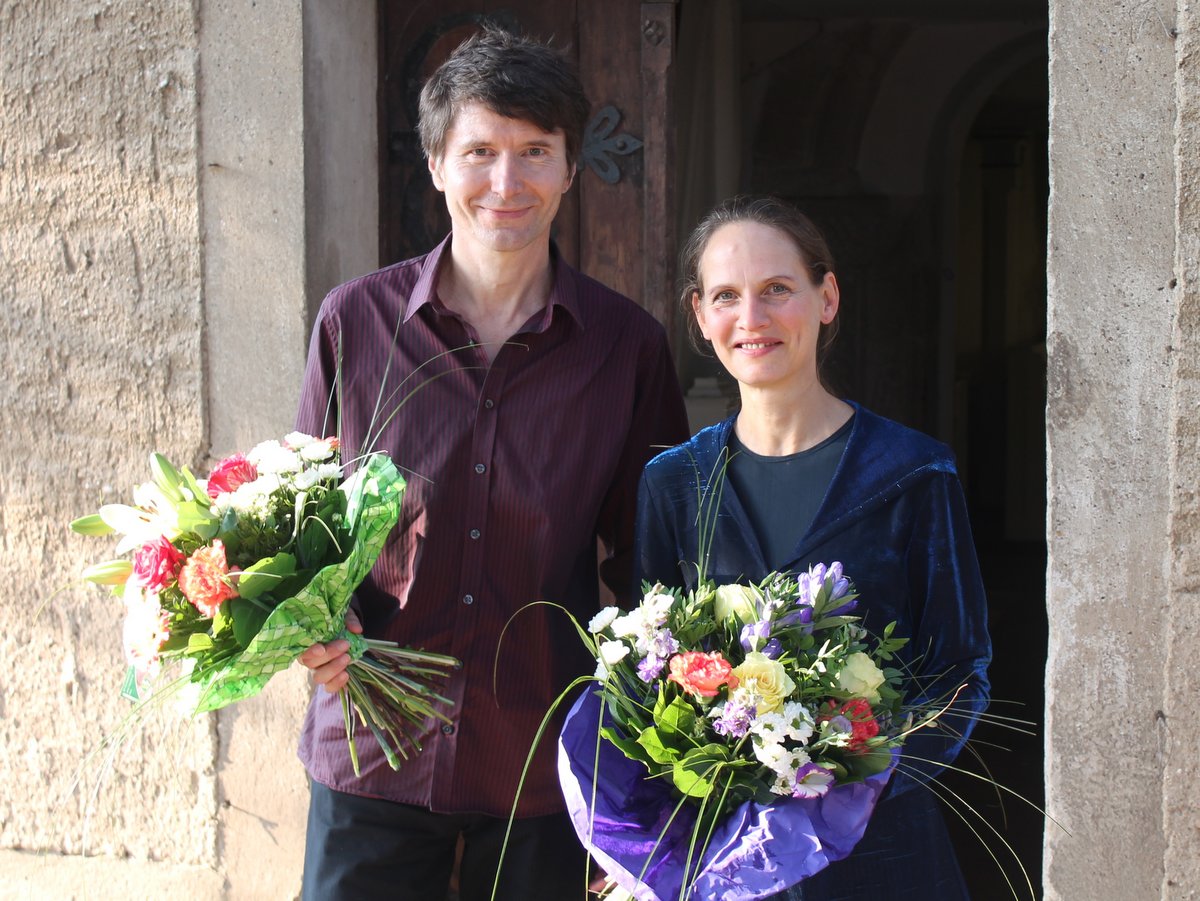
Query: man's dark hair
x=511 y=75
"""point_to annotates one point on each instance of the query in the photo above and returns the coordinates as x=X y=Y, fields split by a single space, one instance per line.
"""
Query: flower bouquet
x=233 y=577
x=748 y=732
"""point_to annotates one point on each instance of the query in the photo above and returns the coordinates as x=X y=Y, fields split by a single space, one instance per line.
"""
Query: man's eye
x=537 y=151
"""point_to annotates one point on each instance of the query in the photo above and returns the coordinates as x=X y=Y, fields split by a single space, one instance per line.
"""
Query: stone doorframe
x=293 y=107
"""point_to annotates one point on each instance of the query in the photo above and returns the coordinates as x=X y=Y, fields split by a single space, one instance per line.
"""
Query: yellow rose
x=766 y=678
x=861 y=677
x=740 y=601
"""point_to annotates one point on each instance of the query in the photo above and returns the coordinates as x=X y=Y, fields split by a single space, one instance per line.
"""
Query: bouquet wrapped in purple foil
x=739 y=739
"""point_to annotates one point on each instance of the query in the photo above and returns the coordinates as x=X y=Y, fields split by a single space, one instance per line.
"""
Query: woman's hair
x=768 y=211
x=511 y=75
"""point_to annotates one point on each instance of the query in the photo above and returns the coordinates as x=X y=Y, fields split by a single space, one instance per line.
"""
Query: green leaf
x=265 y=575
x=192 y=486
x=627 y=746
x=696 y=773
x=197 y=519
x=199 y=642
x=91 y=525
x=676 y=717
x=223 y=621
x=248 y=619
x=659 y=746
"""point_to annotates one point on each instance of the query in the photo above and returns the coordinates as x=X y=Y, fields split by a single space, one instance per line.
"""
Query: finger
x=333 y=674
x=353 y=623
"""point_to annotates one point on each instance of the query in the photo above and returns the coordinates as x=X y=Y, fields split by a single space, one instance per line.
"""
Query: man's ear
x=435 y=173
x=570 y=178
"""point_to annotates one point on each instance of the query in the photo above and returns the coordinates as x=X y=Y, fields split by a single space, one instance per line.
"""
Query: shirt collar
x=564 y=289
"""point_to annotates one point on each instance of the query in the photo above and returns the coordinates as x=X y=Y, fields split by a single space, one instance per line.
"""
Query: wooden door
x=616 y=223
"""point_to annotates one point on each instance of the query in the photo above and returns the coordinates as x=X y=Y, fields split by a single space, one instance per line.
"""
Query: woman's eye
x=777 y=288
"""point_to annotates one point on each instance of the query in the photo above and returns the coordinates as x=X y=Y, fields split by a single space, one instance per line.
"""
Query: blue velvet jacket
x=894 y=515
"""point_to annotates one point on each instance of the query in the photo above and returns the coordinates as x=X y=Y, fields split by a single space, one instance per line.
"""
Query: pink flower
x=204 y=579
x=701 y=674
x=156 y=563
x=229 y=474
x=146 y=628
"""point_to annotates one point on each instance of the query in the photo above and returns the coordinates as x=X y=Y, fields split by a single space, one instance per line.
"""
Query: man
x=527 y=398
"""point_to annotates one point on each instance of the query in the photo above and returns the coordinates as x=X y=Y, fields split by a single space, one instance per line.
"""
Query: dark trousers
x=361 y=849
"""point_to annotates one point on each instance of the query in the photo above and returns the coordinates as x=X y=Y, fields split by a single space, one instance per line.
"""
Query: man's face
x=503 y=179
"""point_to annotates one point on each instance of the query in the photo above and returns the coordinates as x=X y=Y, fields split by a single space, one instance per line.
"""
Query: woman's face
x=759 y=307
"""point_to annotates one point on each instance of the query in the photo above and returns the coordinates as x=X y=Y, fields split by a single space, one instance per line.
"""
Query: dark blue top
x=895 y=517
x=801 y=479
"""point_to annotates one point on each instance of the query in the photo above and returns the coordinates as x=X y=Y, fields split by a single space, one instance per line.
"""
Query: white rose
x=861 y=678
x=739 y=601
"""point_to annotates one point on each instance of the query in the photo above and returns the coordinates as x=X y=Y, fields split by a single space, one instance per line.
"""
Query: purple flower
x=802 y=616
x=735 y=718
x=812 y=781
x=841 y=723
x=753 y=634
x=845 y=608
x=772 y=649
x=651 y=668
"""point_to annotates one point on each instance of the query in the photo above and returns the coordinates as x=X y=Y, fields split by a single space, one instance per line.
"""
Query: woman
x=799 y=477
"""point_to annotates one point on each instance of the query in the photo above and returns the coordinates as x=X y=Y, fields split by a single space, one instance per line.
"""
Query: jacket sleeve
x=659 y=421
x=658 y=553
x=950 y=643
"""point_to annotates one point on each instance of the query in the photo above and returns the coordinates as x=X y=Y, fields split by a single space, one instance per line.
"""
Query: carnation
x=273 y=457
x=204 y=579
x=229 y=474
x=603 y=619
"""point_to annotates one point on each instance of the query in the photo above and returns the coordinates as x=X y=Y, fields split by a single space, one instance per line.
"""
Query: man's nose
x=506 y=176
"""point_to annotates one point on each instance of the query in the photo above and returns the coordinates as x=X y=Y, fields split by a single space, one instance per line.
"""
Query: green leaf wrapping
x=316 y=613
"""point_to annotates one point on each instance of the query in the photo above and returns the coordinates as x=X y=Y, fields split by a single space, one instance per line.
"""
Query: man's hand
x=328 y=662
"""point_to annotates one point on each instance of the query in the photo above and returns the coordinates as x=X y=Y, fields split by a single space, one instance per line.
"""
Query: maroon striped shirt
x=514 y=470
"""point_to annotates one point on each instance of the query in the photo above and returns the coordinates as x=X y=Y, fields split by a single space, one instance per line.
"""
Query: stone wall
x=101 y=323
x=1113 y=295
x=162 y=189
x=1181 y=682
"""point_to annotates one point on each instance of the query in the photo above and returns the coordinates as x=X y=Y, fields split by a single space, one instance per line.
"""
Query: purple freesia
x=772 y=648
x=753 y=634
x=801 y=616
x=845 y=608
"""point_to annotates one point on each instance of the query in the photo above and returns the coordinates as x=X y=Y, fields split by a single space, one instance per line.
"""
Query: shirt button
x=474 y=533
x=447 y=729
x=489 y=403
x=468 y=599
x=480 y=468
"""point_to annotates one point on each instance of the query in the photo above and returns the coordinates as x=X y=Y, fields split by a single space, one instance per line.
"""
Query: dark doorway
x=917 y=140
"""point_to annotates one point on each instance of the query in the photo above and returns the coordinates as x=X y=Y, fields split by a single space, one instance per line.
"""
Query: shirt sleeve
x=659 y=421
x=951 y=643
x=657 y=547
x=317 y=413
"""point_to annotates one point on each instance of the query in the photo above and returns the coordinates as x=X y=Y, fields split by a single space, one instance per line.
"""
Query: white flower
x=273 y=457
x=611 y=653
x=317 y=451
x=317 y=474
x=769 y=728
x=860 y=677
x=646 y=620
x=798 y=721
x=297 y=440
x=603 y=619
x=738 y=601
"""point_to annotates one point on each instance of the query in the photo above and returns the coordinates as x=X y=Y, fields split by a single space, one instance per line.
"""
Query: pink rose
x=229 y=474
x=156 y=563
x=702 y=674
x=204 y=579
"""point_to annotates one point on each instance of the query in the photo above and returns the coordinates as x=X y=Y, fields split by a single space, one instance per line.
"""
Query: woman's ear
x=830 y=298
x=698 y=312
